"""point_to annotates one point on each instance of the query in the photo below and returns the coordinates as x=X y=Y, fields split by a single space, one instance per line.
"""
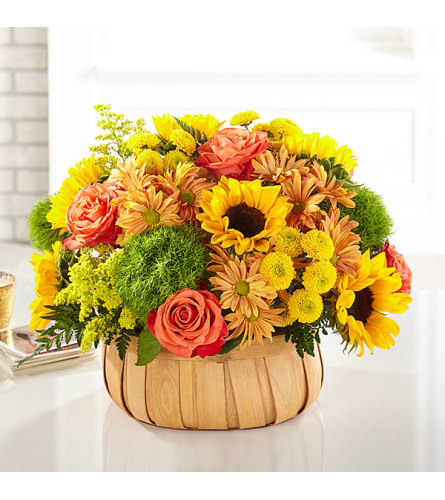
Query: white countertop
x=377 y=413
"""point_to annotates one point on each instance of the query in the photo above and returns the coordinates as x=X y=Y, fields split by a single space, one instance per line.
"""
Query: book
x=18 y=343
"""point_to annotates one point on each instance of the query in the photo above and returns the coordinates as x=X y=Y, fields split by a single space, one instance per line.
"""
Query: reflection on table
x=295 y=445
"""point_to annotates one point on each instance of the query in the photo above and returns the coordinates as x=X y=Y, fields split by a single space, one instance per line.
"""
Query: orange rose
x=189 y=323
x=230 y=152
x=91 y=218
x=396 y=260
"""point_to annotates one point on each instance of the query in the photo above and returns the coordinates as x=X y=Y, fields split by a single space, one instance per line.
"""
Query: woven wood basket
x=262 y=385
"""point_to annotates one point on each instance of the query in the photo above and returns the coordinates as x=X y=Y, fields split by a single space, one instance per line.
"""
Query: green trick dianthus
x=40 y=234
x=156 y=264
x=375 y=223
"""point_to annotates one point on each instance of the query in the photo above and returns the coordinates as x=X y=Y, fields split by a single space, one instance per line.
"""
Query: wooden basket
x=262 y=385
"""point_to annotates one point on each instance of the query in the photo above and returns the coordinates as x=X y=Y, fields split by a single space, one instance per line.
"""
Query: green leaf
x=231 y=344
x=148 y=347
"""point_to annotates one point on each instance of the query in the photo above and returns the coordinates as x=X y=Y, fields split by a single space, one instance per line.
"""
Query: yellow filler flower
x=317 y=244
x=363 y=300
x=306 y=306
x=319 y=277
x=289 y=242
x=243 y=214
x=278 y=267
x=244 y=118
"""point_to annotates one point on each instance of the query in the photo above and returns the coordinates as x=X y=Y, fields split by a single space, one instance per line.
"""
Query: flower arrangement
x=199 y=238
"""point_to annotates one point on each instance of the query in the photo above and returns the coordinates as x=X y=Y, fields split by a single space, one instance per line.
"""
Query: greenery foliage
x=156 y=264
x=304 y=335
x=113 y=142
x=375 y=223
x=40 y=234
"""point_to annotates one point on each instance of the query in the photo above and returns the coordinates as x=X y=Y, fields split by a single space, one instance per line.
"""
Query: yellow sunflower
x=165 y=125
x=363 y=300
x=243 y=214
x=321 y=147
x=47 y=281
x=206 y=124
x=85 y=172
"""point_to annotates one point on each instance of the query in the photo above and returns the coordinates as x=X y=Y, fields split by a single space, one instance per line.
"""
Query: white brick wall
x=23 y=127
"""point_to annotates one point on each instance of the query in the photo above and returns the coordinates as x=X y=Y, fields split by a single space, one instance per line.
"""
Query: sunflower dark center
x=247 y=220
x=361 y=309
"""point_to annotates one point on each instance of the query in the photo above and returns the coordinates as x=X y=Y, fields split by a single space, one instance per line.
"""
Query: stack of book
x=18 y=343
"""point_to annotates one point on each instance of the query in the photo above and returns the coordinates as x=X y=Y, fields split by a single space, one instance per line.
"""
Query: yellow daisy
x=243 y=214
x=278 y=267
x=363 y=300
x=306 y=306
x=47 y=281
x=321 y=147
x=319 y=277
x=85 y=172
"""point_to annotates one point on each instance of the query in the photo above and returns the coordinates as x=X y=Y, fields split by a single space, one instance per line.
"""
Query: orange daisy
x=144 y=210
x=243 y=289
x=302 y=194
x=254 y=326
x=347 y=255
x=330 y=187
x=277 y=168
x=186 y=181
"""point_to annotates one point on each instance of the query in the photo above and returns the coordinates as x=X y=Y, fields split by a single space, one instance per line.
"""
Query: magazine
x=20 y=342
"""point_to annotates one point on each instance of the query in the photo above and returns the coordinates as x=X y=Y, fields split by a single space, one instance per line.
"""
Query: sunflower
x=320 y=147
x=243 y=214
x=144 y=210
x=254 y=326
x=243 y=288
x=164 y=125
x=85 y=172
x=277 y=168
x=362 y=302
x=346 y=256
x=47 y=281
x=205 y=124
x=305 y=200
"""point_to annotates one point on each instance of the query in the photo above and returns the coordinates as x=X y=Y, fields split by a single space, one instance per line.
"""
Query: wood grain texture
x=261 y=385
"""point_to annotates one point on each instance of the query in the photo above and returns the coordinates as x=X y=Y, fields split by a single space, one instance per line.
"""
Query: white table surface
x=377 y=413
